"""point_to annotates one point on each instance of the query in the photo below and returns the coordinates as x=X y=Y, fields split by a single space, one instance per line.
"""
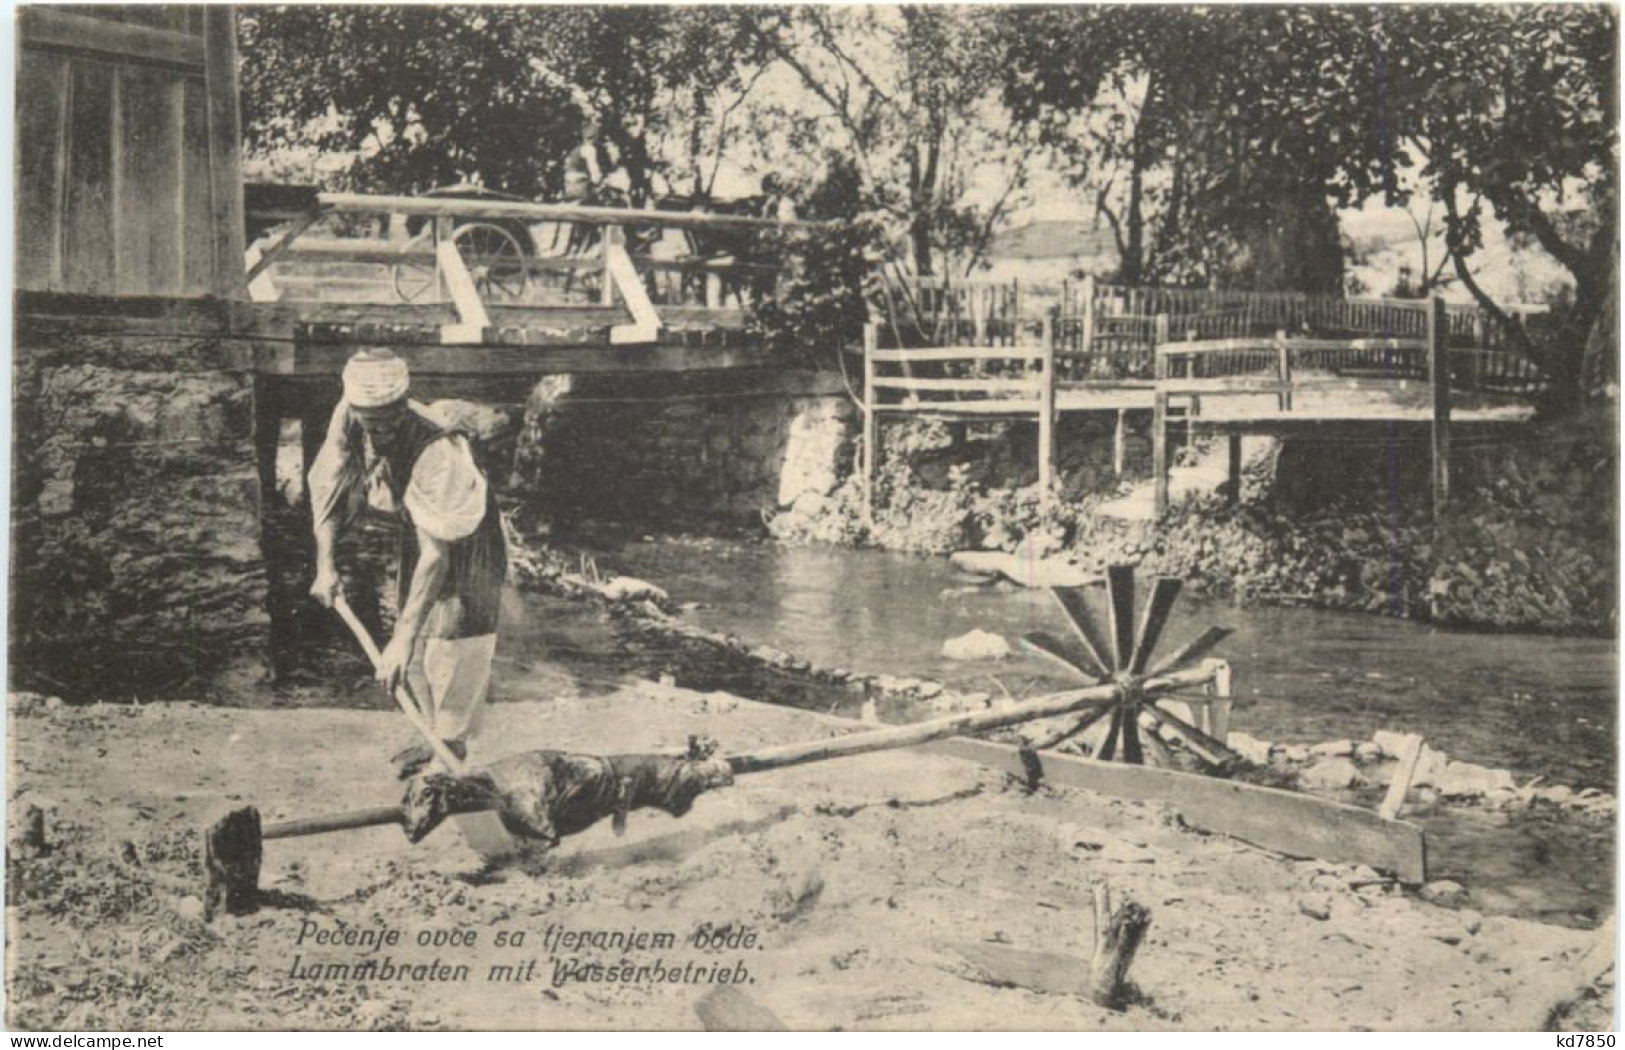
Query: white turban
x=375 y=378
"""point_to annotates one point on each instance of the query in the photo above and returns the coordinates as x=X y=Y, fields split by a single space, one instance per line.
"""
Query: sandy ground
x=846 y=886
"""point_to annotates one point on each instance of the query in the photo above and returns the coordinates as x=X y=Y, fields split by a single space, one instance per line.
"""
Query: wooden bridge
x=479 y=287
x=1404 y=364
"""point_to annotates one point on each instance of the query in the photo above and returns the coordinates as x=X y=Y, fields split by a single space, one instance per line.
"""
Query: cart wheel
x=494 y=259
x=416 y=280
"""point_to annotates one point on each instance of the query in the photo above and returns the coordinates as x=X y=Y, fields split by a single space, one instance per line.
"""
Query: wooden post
x=1086 y=334
x=1394 y=801
x=1283 y=370
x=225 y=142
x=1439 y=377
x=1119 y=439
x=1217 y=718
x=444 y=228
x=1118 y=932
x=1046 y=413
x=871 y=425
x=1159 y=331
x=1159 y=448
x=609 y=235
x=232 y=852
x=1234 y=466
x=1475 y=374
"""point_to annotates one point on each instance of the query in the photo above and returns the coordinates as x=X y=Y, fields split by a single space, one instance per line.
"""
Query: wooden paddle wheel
x=1139 y=722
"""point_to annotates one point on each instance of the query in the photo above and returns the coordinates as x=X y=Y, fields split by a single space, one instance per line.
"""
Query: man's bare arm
x=428 y=578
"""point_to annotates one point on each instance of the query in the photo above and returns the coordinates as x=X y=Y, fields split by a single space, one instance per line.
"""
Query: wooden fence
x=1105 y=331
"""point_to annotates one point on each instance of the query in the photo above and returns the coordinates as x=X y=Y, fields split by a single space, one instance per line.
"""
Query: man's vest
x=471 y=596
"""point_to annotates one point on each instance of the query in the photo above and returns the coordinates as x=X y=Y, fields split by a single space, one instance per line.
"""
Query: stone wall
x=683 y=450
x=136 y=561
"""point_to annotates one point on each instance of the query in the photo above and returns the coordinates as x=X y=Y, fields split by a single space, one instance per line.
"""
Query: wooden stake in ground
x=231 y=858
x=1118 y=932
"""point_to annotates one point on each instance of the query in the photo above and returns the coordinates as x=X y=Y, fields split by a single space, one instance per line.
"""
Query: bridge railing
x=479 y=253
x=1107 y=331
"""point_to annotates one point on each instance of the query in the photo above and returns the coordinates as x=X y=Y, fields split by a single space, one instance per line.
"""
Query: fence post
x=1046 y=412
x=1439 y=378
x=1283 y=368
x=1086 y=323
x=1234 y=467
x=1159 y=434
x=610 y=235
x=1119 y=439
x=871 y=427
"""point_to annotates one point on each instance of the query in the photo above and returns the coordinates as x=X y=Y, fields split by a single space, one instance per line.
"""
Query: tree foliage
x=909 y=96
x=430 y=95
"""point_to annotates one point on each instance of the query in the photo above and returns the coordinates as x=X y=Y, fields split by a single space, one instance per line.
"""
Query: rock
x=976 y=645
x=1295 y=753
x=629 y=588
x=189 y=908
x=1251 y=748
x=1464 y=779
x=1367 y=753
x=1390 y=743
x=1429 y=767
x=1316 y=907
x=1557 y=796
x=1445 y=891
x=810 y=504
x=1334 y=748
x=1471 y=921
x=1333 y=774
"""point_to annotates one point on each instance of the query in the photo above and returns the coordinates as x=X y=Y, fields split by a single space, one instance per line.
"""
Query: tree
x=1516 y=107
x=1187 y=128
x=426 y=95
x=909 y=94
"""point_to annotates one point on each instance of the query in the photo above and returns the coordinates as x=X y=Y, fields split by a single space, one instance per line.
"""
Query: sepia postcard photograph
x=1078 y=518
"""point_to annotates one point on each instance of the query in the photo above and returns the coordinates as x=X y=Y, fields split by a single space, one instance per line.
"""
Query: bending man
x=386 y=453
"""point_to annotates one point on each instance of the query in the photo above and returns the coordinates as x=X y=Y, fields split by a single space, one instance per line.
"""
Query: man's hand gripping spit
x=427 y=579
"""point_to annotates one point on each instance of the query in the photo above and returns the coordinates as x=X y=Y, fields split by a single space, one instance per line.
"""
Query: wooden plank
x=618 y=268
x=1400 y=785
x=225 y=144
x=981 y=386
x=471 y=314
x=1120 y=606
x=1015 y=408
x=98 y=38
x=147 y=211
x=871 y=425
x=963 y=353
x=584 y=214
x=1159 y=449
x=1164 y=592
x=1082 y=621
x=1071 y=656
x=491 y=360
x=87 y=216
x=1046 y=415
x=1045 y=972
x=1439 y=380
x=1194 y=649
x=197 y=264
x=1282 y=821
x=42 y=123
